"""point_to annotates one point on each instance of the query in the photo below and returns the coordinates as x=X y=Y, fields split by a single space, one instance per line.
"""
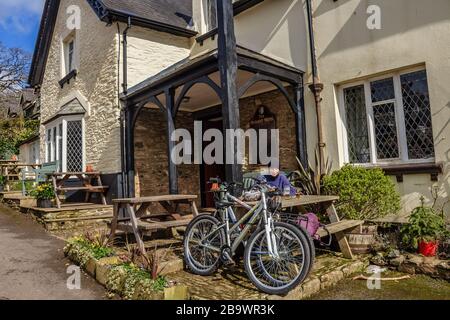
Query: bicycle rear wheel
x=201 y=246
x=278 y=275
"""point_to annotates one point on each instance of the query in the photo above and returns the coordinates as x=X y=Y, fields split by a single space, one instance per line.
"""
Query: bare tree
x=14 y=66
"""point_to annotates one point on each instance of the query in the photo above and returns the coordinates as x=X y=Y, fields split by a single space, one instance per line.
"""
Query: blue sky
x=19 y=22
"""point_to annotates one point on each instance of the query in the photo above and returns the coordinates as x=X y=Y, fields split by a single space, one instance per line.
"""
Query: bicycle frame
x=249 y=219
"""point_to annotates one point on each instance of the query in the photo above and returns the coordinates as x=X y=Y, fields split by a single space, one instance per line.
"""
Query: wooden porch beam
x=228 y=66
x=129 y=152
x=173 y=173
x=256 y=66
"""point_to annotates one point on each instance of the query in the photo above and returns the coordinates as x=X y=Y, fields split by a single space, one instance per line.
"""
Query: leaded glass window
x=74 y=146
x=386 y=131
x=49 y=146
x=389 y=119
x=416 y=106
x=66 y=144
x=382 y=90
x=210 y=14
x=60 y=145
x=356 y=117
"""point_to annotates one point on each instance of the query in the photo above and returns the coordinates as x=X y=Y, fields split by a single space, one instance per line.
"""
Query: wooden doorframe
x=204 y=116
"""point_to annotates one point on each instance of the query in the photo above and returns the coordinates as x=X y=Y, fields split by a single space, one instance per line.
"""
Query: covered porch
x=263 y=89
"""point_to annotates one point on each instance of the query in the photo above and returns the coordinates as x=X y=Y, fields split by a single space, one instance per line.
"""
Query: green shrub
x=96 y=251
x=364 y=193
x=424 y=225
x=17 y=186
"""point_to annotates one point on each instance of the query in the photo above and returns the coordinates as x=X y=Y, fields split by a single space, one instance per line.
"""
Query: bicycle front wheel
x=202 y=245
x=277 y=274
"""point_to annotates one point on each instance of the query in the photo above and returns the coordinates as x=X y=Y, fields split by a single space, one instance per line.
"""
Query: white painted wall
x=412 y=32
x=276 y=28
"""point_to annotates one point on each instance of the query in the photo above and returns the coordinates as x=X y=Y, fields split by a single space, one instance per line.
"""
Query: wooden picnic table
x=11 y=170
x=336 y=227
x=86 y=178
x=138 y=220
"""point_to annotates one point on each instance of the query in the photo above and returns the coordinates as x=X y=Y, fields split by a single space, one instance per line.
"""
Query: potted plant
x=44 y=194
x=424 y=230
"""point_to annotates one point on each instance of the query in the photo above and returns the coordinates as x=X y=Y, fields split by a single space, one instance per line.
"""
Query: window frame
x=206 y=17
x=55 y=148
x=399 y=118
x=66 y=40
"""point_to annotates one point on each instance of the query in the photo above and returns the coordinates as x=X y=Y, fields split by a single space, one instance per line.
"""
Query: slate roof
x=177 y=13
x=28 y=95
x=10 y=105
x=172 y=16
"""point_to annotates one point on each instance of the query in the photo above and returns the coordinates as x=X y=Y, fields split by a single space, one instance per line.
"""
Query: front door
x=210 y=171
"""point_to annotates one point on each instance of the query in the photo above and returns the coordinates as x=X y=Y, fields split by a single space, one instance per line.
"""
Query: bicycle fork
x=270 y=235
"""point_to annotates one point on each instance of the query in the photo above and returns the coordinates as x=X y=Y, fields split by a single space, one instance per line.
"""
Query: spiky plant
x=310 y=180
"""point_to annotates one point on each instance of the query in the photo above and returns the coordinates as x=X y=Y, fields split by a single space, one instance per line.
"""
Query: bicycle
x=277 y=255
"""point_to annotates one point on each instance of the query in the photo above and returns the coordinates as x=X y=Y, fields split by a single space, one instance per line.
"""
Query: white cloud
x=16 y=15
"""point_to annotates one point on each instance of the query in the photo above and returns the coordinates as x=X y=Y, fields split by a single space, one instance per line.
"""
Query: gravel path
x=32 y=264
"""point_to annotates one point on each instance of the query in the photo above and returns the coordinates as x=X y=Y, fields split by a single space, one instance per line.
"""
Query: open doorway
x=210 y=171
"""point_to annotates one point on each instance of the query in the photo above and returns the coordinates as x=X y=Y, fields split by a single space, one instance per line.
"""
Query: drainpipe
x=316 y=88
x=123 y=128
x=125 y=57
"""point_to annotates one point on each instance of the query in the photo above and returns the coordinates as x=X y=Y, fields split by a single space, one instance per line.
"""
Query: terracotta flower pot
x=428 y=249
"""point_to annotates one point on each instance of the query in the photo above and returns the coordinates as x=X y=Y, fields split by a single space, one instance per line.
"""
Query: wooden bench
x=138 y=220
x=336 y=226
x=86 y=178
x=92 y=189
x=340 y=226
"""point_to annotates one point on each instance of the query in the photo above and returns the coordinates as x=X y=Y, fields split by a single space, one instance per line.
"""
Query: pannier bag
x=311 y=223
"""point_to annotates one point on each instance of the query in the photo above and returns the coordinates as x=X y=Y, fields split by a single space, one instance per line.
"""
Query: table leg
x=55 y=187
x=340 y=236
x=194 y=208
x=134 y=225
x=7 y=180
x=102 y=195
x=114 y=222
x=142 y=210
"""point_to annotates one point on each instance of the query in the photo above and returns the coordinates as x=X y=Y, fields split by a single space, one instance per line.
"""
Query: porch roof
x=190 y=69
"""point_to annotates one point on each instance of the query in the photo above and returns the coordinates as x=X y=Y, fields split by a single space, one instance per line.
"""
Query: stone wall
x=99 y=72
x=151 y=162
x=96 y=81
x=151 y=144
x=285 y=118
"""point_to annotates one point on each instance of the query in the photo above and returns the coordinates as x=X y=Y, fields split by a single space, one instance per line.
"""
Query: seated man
x=280 y=181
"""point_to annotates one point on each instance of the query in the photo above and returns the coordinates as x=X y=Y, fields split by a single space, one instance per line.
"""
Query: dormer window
x=210 y=14
x=69 y=54
x=69 y=58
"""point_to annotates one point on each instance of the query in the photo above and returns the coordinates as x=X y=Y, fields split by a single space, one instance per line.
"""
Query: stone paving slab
x=233 y=284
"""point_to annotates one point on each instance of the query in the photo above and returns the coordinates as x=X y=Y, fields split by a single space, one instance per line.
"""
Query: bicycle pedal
x=228 y=262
